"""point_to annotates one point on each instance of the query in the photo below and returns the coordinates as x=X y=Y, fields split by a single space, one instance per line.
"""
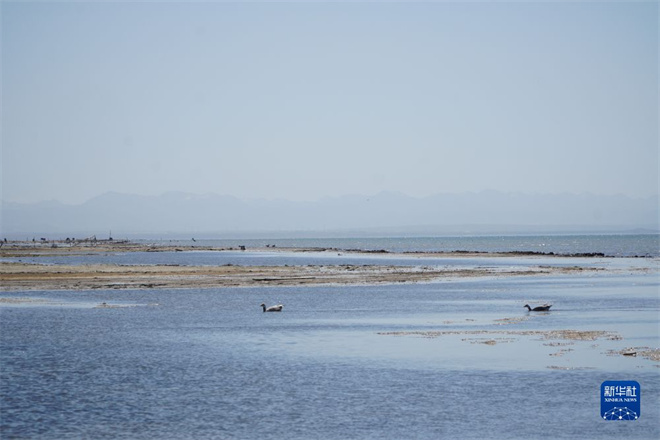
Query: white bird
x=277 y=308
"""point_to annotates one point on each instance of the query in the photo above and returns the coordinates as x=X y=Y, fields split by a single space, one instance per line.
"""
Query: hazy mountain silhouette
x=388 y=212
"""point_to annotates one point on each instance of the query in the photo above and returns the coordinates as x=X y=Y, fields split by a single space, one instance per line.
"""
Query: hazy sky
x=302 y=101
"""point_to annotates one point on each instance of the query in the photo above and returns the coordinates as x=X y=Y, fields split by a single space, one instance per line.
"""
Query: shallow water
x=209 y=364
x=614 y=245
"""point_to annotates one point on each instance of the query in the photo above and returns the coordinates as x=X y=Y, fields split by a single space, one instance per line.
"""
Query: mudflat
x=21 y=276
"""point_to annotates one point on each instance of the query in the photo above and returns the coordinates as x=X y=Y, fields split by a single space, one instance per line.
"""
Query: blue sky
x=302 y=101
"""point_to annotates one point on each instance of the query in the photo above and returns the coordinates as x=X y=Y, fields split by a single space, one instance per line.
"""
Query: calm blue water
x=624 y=245
x=208 y=364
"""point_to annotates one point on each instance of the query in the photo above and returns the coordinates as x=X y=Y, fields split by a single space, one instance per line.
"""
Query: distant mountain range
x=384 y=213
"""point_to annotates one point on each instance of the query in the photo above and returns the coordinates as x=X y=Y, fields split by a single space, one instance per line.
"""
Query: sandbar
x=21 y=276
x=18 y=276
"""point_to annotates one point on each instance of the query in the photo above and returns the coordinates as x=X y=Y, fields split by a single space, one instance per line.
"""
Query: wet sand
x=20 y=276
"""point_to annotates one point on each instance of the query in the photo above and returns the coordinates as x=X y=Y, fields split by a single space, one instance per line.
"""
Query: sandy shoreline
x=17 y=276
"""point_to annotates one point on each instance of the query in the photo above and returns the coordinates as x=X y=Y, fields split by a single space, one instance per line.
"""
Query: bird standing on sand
x=543 y=308
x=277 y=308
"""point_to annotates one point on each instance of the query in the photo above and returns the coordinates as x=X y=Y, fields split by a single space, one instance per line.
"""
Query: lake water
x=616 y=245
x=447 y=359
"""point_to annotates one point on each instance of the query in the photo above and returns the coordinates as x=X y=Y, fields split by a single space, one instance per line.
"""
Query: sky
x=301 y=101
